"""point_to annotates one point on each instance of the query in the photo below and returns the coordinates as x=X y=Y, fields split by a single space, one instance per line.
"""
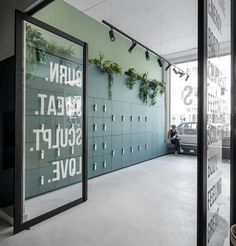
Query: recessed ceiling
x=168 y=27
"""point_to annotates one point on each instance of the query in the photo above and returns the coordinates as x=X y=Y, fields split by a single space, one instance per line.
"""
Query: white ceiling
x=168 y=27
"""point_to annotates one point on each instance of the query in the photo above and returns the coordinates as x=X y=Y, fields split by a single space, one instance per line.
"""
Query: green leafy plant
x=132 y=78
x=156 y=87
x=143 y=88
x=108 y=67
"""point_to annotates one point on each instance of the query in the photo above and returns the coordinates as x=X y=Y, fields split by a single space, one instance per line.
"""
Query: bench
x=189 y=149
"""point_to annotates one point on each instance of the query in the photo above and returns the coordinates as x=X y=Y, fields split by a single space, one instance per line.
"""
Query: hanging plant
x=143 y=89
x=132 y=78
x=155 y=87
x=108 y=67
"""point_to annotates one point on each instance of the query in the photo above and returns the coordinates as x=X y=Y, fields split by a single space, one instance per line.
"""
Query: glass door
x=214 y=123
x=50 y=168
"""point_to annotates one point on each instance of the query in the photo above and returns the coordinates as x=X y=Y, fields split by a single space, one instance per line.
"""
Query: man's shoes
x=176 y=153
x=181 y=151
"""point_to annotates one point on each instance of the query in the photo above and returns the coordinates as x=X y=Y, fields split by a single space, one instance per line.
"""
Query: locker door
x=125 y=150
x=125 y=118
x=97 y=107
x=107 y=108
x=134 y=149
x=148 y=146
x=116 y=118
x=90 y=107
x=97 y=146
x=106 y=164
x=90 y=127
x=106 y=127
x=141 y=147
x=116 y=152
x=134 y=119
x=97 y=127
x=106 y=145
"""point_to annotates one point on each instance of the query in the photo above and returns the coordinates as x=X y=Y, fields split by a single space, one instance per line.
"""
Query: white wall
x=7 y=20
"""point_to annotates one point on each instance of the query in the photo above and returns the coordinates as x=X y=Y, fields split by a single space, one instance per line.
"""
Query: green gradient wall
x=64 y=17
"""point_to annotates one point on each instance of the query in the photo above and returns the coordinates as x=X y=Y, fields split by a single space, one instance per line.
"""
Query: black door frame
x=19 y=225
x=202 y=122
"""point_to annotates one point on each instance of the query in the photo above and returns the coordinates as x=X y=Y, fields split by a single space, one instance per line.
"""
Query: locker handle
x=139 y=118
x=113 y=153
x=131 y=118
x=104 y=164
x=104 y=145
x=139 y=148
x=95 y=166
x=146 y=118
x=72 y=150
x=146 y=146
x=95 y=127
x=122 y=118
x=104 y=108
x=131 y=149
x=123 y=151
x=113 y=118
x=94 y=147
x=42 y=180
x=104 y=127
x=42 y=154
x=58 y=152
x=95 y=107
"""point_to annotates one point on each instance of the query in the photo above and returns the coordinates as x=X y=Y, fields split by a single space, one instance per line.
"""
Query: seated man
x=173 y=135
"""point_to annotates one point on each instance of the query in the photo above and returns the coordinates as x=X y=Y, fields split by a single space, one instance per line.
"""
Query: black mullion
x=202 y=125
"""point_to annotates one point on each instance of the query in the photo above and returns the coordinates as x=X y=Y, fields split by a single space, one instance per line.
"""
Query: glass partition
x=51 y=125
x=218 y=123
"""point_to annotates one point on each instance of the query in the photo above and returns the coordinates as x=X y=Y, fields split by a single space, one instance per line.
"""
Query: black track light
x=168 y=66
x=112 y=36
x=132 y=47
x=147 y=55
x=181 y=74
x=187 y=77
x=160 y=62
x=174 y=69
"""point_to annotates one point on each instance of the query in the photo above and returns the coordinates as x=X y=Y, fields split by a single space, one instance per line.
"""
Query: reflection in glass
x=52 y=121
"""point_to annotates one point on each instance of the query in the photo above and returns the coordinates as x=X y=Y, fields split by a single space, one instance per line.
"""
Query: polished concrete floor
x=153 y=203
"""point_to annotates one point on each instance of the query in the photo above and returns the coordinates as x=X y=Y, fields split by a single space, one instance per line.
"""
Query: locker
x=97 y=146
x=95 y=166
x=116 y=118
x=97 y=127
x=106 y=126
x=134 y=149
x=148 y=146
x=90 y=107
x=31 y=182
x=107 y=145
x=97 y=107
x=125 y=118
x=106 y=164
x=134 y=119
x=107 y=108
x=116 y=152
x=125 y=150
x=90 y=126
x=45 y=179
x=141 y=147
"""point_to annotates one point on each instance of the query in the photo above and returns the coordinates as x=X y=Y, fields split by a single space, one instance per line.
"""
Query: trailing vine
x=132 y=78
x=147 y=88
x=155 y=87
x=144 y=87
x=108 y=67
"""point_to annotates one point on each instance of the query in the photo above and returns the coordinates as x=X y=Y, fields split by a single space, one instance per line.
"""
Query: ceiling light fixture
x=132 y=46
x=187 y=77
x=160 y=62
x=112 y=36
x=168 y=66
x=147 y=55
x=174 y=69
